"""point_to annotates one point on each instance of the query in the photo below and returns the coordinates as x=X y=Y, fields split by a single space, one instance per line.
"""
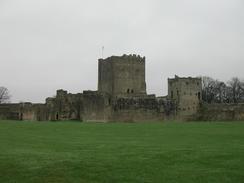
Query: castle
x=121 y=96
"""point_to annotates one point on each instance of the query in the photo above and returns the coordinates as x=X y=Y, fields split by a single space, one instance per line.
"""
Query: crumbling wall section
x=221 y=112
x=65 y=106
x=135 y=109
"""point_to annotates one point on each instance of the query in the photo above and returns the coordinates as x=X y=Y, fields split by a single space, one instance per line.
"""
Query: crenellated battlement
x=125 y=58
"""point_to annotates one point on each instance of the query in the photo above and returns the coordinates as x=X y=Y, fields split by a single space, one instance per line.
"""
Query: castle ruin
x=121 y=96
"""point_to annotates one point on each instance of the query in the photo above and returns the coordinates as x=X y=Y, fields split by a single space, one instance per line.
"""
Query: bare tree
x=237 y=89
x=242 y=91
x=220 y=92
x=4 y=95
x=211 y=91
x=215 y=91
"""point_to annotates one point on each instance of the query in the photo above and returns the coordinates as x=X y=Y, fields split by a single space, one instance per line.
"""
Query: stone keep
x=122 y=76
x=186 y=92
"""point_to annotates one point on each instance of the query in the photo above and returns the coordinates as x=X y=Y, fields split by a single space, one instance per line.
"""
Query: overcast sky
x=50 y=44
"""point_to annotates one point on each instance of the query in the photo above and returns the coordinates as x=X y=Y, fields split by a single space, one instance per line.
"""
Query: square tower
x=186 y=92
x=122 y=75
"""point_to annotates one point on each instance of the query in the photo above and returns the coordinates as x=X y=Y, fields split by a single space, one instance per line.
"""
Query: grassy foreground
x=70 y=152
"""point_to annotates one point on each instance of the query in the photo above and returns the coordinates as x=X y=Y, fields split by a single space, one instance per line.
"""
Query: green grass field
x=70 y=152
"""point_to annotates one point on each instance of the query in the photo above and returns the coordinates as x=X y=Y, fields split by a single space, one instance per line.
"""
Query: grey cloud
x=51 y=44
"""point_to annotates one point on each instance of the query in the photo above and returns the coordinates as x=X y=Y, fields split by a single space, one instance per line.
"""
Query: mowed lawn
x=70 y=152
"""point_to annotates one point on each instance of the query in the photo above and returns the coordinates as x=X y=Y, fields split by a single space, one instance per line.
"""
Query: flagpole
x=102 y=51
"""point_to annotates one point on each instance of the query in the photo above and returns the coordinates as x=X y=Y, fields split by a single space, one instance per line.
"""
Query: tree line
x=215 y=91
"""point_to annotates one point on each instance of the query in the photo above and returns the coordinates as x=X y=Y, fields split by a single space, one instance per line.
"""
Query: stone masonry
x=122 y=76
x=121 y=96
x=186 y=93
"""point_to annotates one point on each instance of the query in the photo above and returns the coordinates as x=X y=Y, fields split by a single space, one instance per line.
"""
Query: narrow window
x=172 y=94
x=132 y=91
x=128 y=90
x=199 y=96
x=21 y=116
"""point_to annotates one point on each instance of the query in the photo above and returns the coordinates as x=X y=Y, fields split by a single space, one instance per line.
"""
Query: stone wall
x=97 y=106
x=23 y=111
x=138 y=109
x=32 y=112
x=221 y=112
x=101 y=107
x=9 y=111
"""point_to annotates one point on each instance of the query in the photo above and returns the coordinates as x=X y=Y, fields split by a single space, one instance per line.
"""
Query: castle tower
x=186 y=93
x=122 y=76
